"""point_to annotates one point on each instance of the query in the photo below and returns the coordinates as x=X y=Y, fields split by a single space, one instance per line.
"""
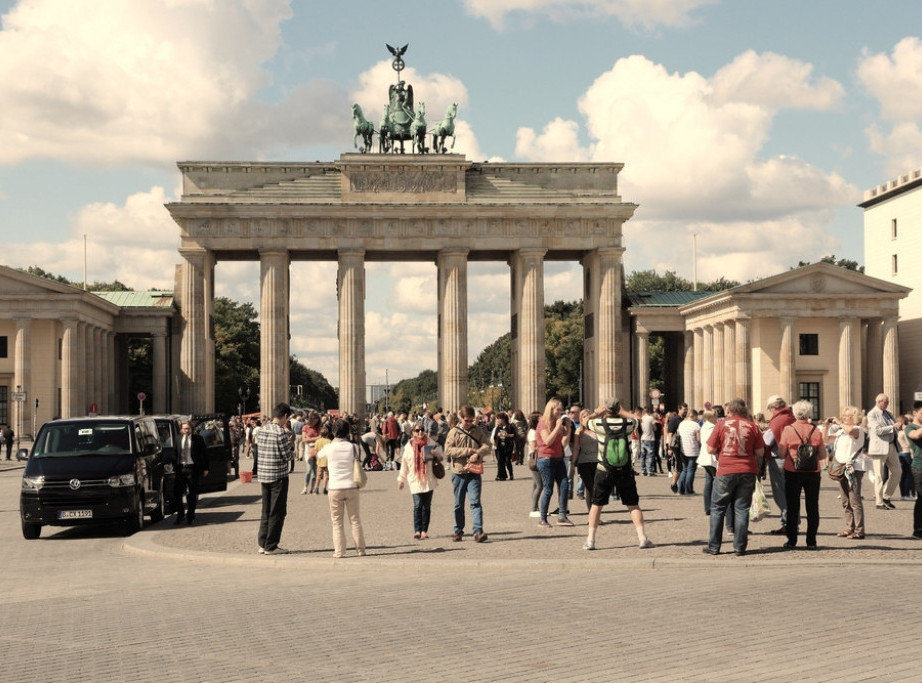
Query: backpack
x=615 y=451
x=806 y=453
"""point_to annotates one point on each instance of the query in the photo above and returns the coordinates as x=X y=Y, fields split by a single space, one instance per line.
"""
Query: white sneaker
x=260 y=551
x=588 y=545
x=304 y=490
x=276 y=551
x=646 y=543
x=534 y=513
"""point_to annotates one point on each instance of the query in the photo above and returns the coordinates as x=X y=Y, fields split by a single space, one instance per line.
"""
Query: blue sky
x=755 y=125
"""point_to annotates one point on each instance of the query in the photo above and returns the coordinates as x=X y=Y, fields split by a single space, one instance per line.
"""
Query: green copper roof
x=665 y=298
x=138 y=299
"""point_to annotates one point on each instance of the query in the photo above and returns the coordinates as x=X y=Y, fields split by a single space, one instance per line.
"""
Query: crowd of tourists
x=595 y=455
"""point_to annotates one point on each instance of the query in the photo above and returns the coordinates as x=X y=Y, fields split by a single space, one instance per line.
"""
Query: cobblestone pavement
x=198 y=604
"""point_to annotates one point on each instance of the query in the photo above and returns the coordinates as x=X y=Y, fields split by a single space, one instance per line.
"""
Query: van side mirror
x=22 y=454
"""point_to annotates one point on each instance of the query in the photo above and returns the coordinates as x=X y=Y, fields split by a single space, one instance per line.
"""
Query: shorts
x=322 y=472
x=608 y=479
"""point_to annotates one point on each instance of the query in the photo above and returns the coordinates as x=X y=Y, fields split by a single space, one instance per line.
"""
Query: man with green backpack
x=612 y=426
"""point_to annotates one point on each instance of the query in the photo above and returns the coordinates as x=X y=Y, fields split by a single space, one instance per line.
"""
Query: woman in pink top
x=553 y=434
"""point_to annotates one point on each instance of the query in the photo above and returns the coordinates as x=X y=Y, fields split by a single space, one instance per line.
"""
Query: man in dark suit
x=191 y=463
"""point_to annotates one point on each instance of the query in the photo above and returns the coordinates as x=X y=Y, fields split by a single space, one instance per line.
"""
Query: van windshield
x=99 y=438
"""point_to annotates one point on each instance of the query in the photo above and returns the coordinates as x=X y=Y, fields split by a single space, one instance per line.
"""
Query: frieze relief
x=370 y=228
x=393 y=180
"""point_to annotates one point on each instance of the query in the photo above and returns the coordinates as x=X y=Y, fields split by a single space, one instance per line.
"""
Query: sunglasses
x=417 y=430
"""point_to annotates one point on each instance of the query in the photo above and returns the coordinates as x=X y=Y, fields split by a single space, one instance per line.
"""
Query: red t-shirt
x=790 y=442
x=736 y=440
x=554 y=449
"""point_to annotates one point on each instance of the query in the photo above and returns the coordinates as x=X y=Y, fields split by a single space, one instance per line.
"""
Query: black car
x=92 y=470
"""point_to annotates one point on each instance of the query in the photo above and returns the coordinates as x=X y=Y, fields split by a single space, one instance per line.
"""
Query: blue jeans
x=647 y=453
x=422 y=509
x=687 y=478
x=776 y=476
x=710 y=474
x=731 y=491
x=464 y=485
x=553 y=470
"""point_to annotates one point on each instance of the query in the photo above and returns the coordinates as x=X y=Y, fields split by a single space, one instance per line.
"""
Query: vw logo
x=75 y=484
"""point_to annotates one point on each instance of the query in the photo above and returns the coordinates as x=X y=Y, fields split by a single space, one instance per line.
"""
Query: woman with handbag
x=419 y=458
x=341 y=456
x=847 y=468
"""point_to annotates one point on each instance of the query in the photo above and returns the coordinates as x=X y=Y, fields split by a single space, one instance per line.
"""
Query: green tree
x=831 y=259
x=236 y=355
x=315 y=391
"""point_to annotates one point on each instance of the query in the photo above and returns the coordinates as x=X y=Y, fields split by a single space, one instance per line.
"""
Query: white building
x=892 y=238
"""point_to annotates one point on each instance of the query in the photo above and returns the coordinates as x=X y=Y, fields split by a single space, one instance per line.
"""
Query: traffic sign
x=655 y=394
x=18 y=396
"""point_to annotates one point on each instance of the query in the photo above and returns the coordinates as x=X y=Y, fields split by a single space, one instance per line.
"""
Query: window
x=893 y=229
x=4 y=405
x=4 y=347
x=809 y=345
x=894 y=265
x=810 y=391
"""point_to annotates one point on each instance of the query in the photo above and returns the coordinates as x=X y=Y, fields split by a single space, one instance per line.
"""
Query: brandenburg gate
x=440 y=208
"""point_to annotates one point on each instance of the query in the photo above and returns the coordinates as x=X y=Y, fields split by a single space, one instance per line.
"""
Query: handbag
x=474 y=467
x=438 y=469
x=358 y=474
x=533 y=461
x=836 y=471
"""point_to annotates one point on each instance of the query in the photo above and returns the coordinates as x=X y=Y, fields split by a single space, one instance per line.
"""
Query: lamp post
x=244 y=394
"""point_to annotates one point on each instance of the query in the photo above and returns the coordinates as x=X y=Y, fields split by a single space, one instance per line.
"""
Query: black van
x=94 y=469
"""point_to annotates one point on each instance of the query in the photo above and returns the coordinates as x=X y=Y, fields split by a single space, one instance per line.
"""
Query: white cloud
x=151 y=82
x=896 y=83
x=773 y=81
x=641 y=13
x=690 y=146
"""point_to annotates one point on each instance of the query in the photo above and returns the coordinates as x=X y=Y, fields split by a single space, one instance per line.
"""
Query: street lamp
x=244 y=394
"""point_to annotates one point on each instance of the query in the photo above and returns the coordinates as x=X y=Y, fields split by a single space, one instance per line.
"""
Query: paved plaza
x=198 y=604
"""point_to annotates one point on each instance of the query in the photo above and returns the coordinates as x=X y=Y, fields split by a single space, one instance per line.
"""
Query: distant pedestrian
x=8 y=436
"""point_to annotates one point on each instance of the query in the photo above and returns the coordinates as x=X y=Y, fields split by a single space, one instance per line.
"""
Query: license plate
x=74 y=514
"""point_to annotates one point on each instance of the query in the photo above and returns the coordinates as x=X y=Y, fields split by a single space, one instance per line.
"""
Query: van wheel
x=136 y=522
x=160 y=510
x=31 y=531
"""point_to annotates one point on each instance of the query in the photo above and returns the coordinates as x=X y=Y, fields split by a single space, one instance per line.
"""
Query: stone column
x=874 y=354
x=707 y=366
x=70 y=378
x=160 y=382
x=452 y=328
x=22 y=375
x=274 y=363
x=608 y=336
x=350 y=290
x=688 y=369
x=729 y=363
x=718 y=392
x=786 y=361
x=699 y=368
x=528 y=369
x=643 y=368
x=891 y=362
x=197 y=392
x=90 y=379
x=849 y=371
x=743 y=363
x=109 y=398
